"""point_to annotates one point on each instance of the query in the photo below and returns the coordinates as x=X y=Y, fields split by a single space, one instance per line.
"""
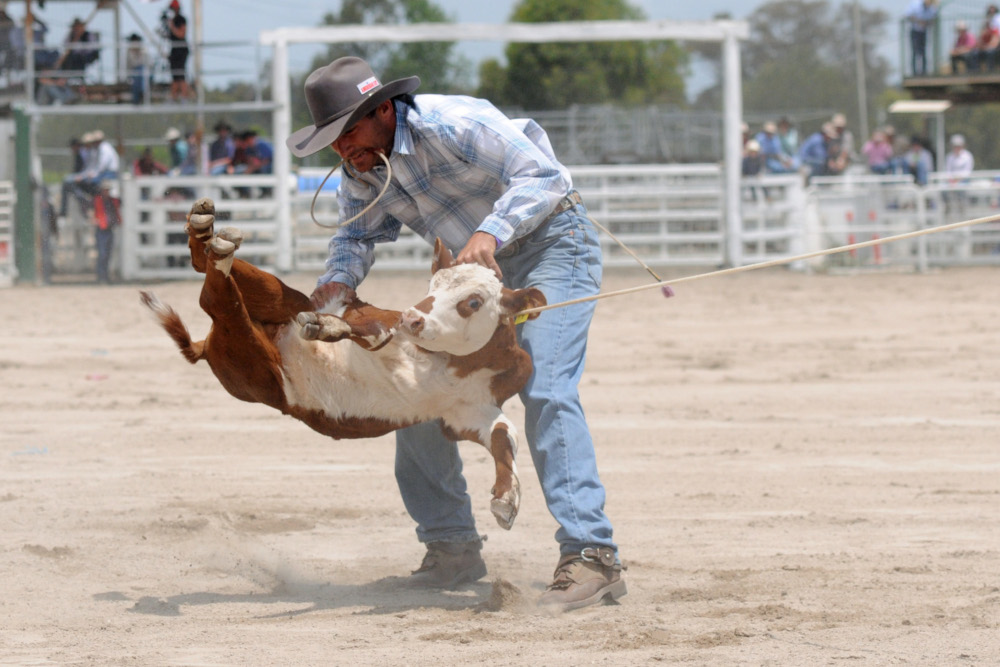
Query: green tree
x=553 y=76
x=440 y=69
x=801 y=54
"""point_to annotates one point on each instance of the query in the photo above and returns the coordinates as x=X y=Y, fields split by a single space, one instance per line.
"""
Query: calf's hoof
x=201 y=218
x=505 y=507
x=320 y=326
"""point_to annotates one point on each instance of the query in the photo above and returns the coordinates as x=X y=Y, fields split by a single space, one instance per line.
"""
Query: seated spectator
x=222 y=150
x=789 y=136
x=814 y=152
x=775 y=159
x=963 y=52
x=879 y=153
x=241 y=157
x=55 y=86
x=918 y=161
x=177 y=145
x=753 y=160
x=146 y=164
x=989 y=41
x=260 y=153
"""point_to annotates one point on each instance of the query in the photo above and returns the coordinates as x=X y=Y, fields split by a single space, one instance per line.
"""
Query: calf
x=350 y=370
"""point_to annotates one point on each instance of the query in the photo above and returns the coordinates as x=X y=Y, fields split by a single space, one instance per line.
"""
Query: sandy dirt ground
x=801 y=470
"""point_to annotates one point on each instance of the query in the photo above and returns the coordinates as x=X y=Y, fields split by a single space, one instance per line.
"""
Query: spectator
x=959 y=163
x=222 y=150
x=918 y=161
x=102 y=161
x=879 y=153
x=178 y=151
x=146 y=164
x=920 y=15
x=260 y=153
x=54 y=87
x=776 y=161
x=789 y=136
x=177 y=28
x=107 y=216
x=963 y=52
x=753 y=160
x=137 y=63
x=241 y=158
x=814 y=151
x=72 y=184
x=79 y=51
x=989 y=40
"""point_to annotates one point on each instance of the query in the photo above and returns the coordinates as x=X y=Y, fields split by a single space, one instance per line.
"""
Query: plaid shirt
x=458 y=166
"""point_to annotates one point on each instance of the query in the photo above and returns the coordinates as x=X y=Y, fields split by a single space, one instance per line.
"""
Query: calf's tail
x=172 y=324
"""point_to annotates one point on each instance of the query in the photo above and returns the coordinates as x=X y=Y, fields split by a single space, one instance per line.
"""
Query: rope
x=625 y=248
x=312 y=207
x=764 y=265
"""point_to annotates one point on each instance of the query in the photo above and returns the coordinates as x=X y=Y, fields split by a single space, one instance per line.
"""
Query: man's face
x=359 y=146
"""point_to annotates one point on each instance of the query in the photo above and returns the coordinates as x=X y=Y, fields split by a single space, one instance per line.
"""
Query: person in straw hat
x=491 y=188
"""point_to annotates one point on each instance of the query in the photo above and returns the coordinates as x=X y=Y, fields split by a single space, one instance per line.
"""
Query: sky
x=243 y=20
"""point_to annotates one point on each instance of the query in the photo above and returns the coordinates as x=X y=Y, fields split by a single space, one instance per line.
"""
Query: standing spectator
x=177 y=28
x=921 y=14
x=878 y=151
x=776 y=161
x=964 y=50
x=959 y=163
x=222 y=150
x=137 y=63
x=107 y=216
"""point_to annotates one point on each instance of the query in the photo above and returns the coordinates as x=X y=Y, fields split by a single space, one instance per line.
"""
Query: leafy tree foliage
x=801 y=55
x=440 y=69
x=553 y=76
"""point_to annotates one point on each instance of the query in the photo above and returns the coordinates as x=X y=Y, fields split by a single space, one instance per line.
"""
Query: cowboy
x=492 y=190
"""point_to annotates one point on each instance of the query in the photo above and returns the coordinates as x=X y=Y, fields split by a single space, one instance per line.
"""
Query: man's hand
x=329 y=292
x=479 y=250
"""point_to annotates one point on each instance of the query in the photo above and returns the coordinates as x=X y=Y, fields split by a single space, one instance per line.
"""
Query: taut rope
x=764 y=265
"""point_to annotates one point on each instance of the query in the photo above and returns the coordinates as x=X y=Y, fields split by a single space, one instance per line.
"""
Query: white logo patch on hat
x=367 y=85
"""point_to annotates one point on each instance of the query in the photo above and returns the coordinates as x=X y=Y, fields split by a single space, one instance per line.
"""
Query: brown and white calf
x=351 y=370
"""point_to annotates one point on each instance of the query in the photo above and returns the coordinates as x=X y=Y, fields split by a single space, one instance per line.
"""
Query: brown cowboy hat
x=339 y=95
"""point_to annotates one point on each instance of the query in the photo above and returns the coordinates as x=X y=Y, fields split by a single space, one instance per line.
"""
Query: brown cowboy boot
x=583 y=579
x=449 y=565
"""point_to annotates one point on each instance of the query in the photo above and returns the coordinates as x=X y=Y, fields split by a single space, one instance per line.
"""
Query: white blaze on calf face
x=460 y=313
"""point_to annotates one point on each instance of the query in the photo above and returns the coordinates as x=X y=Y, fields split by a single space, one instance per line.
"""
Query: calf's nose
x=412 y=322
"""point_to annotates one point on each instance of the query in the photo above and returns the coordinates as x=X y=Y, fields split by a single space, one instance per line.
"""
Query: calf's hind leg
x=267 y=299
x=242 y=356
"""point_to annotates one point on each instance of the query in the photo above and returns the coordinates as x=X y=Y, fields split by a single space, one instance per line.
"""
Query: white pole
x=282 y=127
x=732 y=146
x=859 y=68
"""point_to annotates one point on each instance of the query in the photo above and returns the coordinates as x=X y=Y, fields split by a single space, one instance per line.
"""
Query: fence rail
x=670 y=215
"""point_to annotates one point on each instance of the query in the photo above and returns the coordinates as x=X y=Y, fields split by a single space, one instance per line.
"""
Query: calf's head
x=465 y=304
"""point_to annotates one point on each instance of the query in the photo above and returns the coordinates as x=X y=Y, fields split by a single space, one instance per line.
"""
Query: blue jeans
x=563 y=259
x=918 y=52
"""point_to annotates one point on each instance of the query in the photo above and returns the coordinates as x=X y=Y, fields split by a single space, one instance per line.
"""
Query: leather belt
x=571 y=200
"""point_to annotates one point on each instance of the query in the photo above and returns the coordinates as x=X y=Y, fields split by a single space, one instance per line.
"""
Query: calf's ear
x=516 y=300
x=442 y=257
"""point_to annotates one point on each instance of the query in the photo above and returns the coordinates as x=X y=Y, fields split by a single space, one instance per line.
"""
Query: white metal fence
x=7 y=267
x=670 y=215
